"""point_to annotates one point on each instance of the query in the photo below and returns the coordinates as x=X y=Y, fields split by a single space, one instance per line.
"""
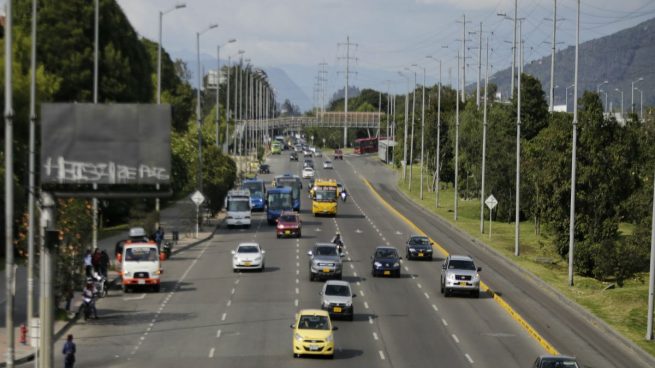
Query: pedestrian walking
x=88 y=263
x=159 y=236
x=104 y=263
x=69 y=352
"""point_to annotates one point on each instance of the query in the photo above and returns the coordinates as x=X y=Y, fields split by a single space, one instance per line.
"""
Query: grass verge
x=625 y=309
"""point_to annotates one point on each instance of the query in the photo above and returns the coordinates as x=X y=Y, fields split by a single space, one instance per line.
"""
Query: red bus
x=366 y=145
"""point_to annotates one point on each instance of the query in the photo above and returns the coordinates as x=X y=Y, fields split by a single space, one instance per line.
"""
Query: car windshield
x=314 y=323
x=256 y=188
x=263 y=167
x=135 y=254
x=288 y=218
x=248 y=249
x=456 y=264
x=419 y=240
x=326 y=251
x=558 y=363
x=386 y=253
x=291 y=182
x=238 y=206
x=337 y=290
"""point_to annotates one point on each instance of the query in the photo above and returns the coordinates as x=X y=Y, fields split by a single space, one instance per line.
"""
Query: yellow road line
x=485 y=288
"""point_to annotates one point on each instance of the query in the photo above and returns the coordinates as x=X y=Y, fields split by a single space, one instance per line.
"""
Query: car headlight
x=258 y=258
x=330 y=338
x=397 y=264
x=298 y=337
x=280 y=227
x=412 y=249
x=348 y=304
x=377 y=264
x=451 y=276
x=326 y=304
x=477 y=277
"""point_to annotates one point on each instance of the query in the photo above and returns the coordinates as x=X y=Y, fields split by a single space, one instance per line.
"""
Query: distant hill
x=619 y=59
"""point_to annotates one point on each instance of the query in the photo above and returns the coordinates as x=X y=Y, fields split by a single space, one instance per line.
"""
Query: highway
x=208 y=316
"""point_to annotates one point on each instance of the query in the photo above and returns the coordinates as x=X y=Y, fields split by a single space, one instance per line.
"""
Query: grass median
x=624 y=308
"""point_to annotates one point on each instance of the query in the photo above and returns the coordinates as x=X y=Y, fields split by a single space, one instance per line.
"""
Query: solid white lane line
x=444 y=322
x=455 y=338
x=469 y=358
x=218 y=334
x=435 y=308
x=223 y=316
x=366 y=305
x=375 y=336
x=211 y=352
x=381 y=354
x=229 y=302
x=427 y=296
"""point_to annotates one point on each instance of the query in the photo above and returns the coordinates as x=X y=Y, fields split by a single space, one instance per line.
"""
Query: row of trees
x=127 y=73
x=614 y=165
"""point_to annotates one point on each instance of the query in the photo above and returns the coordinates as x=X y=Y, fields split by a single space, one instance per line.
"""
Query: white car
x=307 y=173
x=248 y=256
x=318 y=153
x=327 y=164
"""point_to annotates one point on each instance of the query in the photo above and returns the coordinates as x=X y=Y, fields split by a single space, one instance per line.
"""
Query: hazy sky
x=296 y=35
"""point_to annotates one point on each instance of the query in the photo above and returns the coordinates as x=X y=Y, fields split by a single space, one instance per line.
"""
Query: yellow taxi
x=312 y=333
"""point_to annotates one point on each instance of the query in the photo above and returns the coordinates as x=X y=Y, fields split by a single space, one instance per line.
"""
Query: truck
x=257 y=193
x=338 y=154
x=276 y=148
x=141 y=265
x=278 y=200
x=237 y=204
x=324 y=197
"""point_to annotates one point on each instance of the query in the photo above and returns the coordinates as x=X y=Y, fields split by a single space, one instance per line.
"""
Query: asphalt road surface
x=208 y=316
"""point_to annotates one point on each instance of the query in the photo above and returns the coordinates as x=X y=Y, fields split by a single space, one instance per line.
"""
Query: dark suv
x=385 y=262
x=293 y=156
x=418 y=247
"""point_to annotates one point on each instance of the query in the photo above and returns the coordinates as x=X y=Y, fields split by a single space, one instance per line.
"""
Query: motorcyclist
x=344 y=194
x=337 y=240
x=89 y=297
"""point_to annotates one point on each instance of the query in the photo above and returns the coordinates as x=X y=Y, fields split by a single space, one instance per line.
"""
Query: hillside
x=618 y=58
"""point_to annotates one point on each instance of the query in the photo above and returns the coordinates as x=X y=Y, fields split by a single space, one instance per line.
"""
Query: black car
x=308 y=163
x=385 y=262
x=293 y=156
x=558 y=361
x=418 y=247
x=264 y=169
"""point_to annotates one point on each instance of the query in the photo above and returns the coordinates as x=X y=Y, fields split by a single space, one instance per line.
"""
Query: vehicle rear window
x=456 y=264
x=141 y=254
x=288 y=218
x=386 y=253
x=248 y=249
x=419 y=241
x=326 y=251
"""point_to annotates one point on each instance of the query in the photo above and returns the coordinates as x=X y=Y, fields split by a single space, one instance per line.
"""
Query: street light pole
x=621 y=92
x=484 y=139
x=32 y=164
x=438 y=152
x=552 y=59
x=94 y=201
x=517 y=207
x=9 y=188
x=567 y=96
x=411 y=143
x=405 y=127
x=651 y=277
x=422 y=133
x=456 y=142
x=218 y=93
x=198 y=108
x=632 y=92
x=573 y=149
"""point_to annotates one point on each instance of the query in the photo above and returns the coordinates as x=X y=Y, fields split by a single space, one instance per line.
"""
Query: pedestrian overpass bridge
x=320 y=120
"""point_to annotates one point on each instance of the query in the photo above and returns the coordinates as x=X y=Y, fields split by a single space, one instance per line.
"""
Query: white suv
x=459 y=273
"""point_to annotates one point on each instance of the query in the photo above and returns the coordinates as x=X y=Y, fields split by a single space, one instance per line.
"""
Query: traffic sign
x=491 y=202
x=197 y=198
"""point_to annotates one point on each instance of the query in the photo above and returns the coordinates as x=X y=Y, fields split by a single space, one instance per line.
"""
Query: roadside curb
x=625 y=344
x=111 y=284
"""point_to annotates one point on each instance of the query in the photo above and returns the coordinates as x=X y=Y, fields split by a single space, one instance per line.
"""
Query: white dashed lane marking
x=435 y=308
x=375 y=336
x=444 y=322
x=469 y=358
x=223 y=316
x=455 y=338
x=381 y=355
x=218 y=334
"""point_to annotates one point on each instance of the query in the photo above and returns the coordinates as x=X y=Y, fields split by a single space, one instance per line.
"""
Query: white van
x=141 y=266
x=238 y=208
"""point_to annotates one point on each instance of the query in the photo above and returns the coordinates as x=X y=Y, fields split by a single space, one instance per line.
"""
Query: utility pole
x=438 y=137
x=456 y=142
x=411 y=144
x=345 y=110
x=516 y=7
x=227 y=108
x=651 y=274
x=463 y=57
x=552 y=59
x=323 y=75
x=94 y=201
x=405 y=127
x=9 y=187
x=484 y=138
x=477 y=94
x=422 y=133
x=574 y=148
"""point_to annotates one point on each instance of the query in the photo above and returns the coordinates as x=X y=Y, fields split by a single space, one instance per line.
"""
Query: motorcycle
x=99 y=284
x=344 y=195
x=339 y=244
x=167 y=248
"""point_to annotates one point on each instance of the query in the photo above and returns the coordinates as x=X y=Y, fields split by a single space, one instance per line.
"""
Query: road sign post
x=491 y=202
x=197 y=198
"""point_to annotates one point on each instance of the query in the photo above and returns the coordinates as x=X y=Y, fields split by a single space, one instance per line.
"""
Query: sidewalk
x=180 y=216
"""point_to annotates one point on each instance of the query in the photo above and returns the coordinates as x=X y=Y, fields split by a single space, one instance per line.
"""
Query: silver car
x=337 y=299
x=324 y=262
x=327 y=164
x=458 y=273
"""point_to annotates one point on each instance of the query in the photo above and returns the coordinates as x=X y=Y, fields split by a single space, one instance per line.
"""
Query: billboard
x=105 y=144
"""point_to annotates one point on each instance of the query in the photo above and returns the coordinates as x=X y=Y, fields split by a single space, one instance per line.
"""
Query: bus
x=324 y=197
x=293 y=182
x=277 y=200
x=237 y=204
x=276 y=148
x=257 y=193
x=365 y=145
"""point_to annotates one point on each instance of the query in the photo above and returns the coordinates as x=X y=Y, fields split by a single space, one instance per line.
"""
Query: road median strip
x=485 y=288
